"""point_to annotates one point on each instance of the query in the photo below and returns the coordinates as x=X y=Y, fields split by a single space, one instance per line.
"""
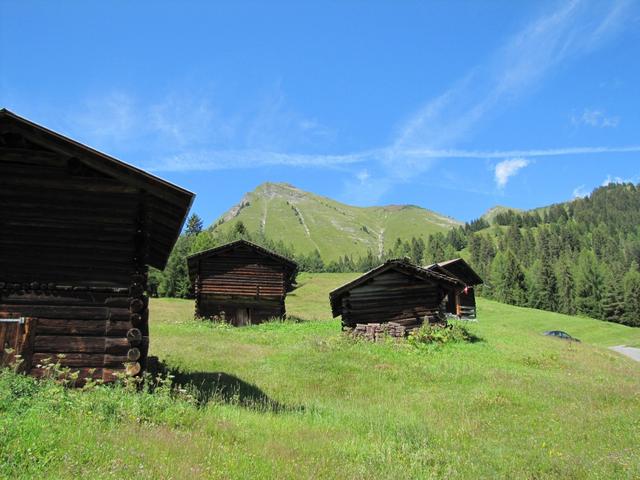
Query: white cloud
x=111 y=118
x=518 y=67
x=507 y=169
x=595 y=118
x=363 y=176
x=615 y=179
x=580 y=191
x=573 y=30
x=211 y=159
x=191 y=134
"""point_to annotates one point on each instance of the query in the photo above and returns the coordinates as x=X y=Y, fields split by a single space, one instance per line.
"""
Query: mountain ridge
x=311 y=222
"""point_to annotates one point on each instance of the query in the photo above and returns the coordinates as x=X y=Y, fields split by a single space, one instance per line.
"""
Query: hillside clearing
x=297 y=400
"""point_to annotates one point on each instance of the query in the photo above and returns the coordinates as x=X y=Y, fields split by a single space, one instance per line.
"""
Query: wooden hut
x=241 y=281
x=460 y=301
x=396 y=291
x=78 y=229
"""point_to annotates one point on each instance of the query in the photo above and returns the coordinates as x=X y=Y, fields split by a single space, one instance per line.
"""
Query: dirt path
x=630 y=352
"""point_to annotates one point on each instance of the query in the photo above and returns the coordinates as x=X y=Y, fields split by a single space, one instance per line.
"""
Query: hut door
x=15 y=339
x=244 y=316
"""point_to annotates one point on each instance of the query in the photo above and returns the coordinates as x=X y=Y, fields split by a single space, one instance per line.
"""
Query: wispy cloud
x=230 y=159
x=595 y=118
x=616 y=179
x=363 y=176
x=507 y=169
x=207 y=160
x=109 y=118
x=188 y=123
x=188 y=132
x=519 y=67
x=580 y=191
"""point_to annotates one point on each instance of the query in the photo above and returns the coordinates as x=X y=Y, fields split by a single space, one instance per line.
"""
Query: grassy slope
x=491 y=214
x=332 y=227
x=516 y=405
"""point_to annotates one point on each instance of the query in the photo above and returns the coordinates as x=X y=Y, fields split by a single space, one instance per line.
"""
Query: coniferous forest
x=578 y=257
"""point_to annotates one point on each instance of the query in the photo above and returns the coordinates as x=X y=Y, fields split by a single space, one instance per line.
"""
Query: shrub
x=436 y=334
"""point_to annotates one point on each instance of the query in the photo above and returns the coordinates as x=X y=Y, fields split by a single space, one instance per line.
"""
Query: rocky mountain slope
x=308 y=221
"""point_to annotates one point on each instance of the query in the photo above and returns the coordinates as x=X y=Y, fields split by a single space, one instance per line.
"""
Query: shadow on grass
x=224 y=388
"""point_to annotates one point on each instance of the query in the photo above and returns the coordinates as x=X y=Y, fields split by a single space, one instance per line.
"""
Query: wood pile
x=396 y=329
x=379 y=331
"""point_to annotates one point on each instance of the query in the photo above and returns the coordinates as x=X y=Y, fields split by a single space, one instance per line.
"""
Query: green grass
x=308 y=222
x=300 y=401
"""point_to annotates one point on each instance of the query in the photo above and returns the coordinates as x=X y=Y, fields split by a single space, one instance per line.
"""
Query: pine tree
x=417 y=250
x=507 y=279
x=566 y=286
x=513 y=239
x=435 y=249
x=543 y=292
x=632 y=296
x=239 y=230
x=175 y=278
x=194 y=225
x=589 y=285
x=613 y=303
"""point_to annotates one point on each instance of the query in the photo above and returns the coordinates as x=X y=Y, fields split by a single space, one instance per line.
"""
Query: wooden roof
x=459 y=269
x=167 y=204
x=400 y=265
x=193 y=260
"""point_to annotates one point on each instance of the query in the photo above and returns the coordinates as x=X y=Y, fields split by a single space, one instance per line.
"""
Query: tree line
x=579 y=257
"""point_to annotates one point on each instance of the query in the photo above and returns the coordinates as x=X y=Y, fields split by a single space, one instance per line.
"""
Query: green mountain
x=491 y=214
x=308 y=221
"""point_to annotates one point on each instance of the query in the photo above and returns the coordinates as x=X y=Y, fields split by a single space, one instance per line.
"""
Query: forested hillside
x=575 y=257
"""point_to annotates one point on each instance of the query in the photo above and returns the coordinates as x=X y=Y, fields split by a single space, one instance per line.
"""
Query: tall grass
x=299 y=400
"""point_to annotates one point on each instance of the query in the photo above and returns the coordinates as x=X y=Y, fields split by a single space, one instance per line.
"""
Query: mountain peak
x=310 y=222
x=494 y=211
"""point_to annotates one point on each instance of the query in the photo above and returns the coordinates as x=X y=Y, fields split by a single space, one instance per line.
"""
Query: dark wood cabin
x=77 y=231
x=460 y=301
x=396 y=291
x=245 y=281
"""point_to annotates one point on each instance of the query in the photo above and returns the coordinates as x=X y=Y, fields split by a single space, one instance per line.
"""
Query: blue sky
x=453 y=106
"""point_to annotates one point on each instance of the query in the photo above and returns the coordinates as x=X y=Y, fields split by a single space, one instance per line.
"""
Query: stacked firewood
x=395 y=329
x=378 y=331
x=402 y=328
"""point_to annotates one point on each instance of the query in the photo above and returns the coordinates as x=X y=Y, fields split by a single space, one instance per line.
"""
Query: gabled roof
x=400 y=265
x=457 y=268
x=193 y=260
x=167 y=204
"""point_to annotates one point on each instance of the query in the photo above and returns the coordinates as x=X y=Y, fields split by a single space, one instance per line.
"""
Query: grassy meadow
x=296 y=399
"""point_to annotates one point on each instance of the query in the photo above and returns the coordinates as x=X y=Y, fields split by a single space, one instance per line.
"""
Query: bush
x=439 y=335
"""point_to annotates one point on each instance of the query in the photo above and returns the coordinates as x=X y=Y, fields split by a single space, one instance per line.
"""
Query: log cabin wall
x=391 y=296
x=466 y=303
x=461 y=300
x=72 y=257
x=75 y=242
x=244 y=283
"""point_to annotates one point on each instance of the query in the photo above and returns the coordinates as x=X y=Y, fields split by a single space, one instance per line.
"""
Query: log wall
x=74 y=245
x=466 y=304
x=240 y=279
x=105 y=331
x=390 y=297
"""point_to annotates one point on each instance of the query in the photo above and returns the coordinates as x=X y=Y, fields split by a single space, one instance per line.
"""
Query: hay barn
x=460 y=301
x=396 y=291
x=241 y=282
x=79 y=229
